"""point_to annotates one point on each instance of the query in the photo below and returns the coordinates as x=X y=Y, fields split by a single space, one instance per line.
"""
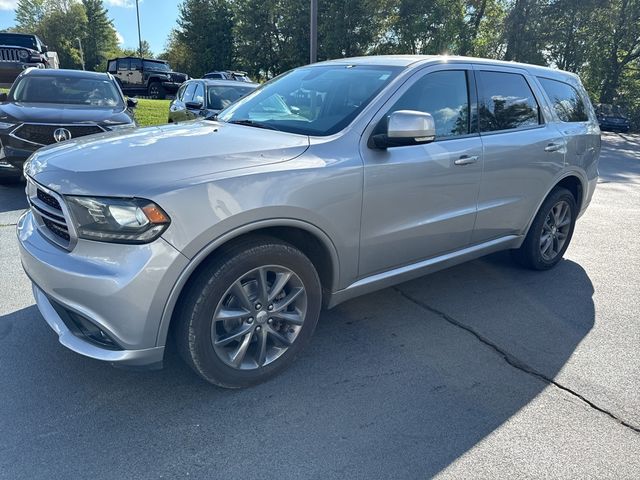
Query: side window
x=198 y=95
x=124 y=64
x=214 y=75
x=445 y=96
x=136 y=64
x=180 y=94
x=187 y=96
x=112 y=66
x=506 y=102
x=565 y=100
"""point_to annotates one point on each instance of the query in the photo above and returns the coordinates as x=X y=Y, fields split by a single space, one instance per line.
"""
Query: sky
x=157 y=18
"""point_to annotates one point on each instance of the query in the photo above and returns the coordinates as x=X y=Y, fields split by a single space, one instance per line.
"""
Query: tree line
x=598 y=39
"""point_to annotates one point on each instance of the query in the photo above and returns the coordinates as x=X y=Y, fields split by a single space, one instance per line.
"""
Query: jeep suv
x=19 y=51
x=333 y=180
x=143 y=76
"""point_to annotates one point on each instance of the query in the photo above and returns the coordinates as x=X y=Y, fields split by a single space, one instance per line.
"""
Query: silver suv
x=331 y=181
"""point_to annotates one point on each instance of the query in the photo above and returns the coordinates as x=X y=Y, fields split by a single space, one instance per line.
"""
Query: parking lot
x=484 y=370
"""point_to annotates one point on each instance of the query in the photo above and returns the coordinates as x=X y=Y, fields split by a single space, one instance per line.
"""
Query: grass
x=151 y=112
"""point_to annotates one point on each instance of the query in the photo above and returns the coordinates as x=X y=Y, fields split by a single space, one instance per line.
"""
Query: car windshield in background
x=219 y=97
x=18 y=41
x=70 y=91
x=611 y=110
x=319 y=100
x=159 y=66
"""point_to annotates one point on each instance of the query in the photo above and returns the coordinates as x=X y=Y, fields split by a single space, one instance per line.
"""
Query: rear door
x=523 y=151
x=420 y=200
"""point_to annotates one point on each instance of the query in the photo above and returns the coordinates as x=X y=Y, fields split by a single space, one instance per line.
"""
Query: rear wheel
x=550 y=232
x=156 y=91
x=248 y=313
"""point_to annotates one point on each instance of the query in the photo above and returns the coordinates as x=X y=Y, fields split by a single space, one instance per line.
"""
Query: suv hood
x=131 y=163
x=63 y=114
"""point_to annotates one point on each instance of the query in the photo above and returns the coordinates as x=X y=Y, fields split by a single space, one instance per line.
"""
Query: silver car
x=330 y=181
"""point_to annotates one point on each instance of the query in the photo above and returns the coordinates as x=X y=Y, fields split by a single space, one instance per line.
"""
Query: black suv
x=19 y=51
x=143 y=76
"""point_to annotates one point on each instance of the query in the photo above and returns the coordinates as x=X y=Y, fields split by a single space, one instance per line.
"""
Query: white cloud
x=8 y=4
x=120 y=38
x=117 y=3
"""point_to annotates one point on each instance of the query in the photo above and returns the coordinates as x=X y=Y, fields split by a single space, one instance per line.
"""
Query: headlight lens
x=117 y=220
x=23 y=54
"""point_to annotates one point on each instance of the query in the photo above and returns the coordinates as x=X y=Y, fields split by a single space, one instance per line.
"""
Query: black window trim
x=542 y=121
x=553 y=108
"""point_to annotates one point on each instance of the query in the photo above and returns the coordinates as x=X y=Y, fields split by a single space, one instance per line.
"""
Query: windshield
x=160 y=66
x=18 y=41
x=219 y=97
x=319 y=100
x=69 y=90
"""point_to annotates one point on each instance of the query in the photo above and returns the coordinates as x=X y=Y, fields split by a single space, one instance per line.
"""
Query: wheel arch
x=308 y=238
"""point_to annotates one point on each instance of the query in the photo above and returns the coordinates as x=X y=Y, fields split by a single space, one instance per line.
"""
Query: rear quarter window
x=566 y=100
x=506 y=102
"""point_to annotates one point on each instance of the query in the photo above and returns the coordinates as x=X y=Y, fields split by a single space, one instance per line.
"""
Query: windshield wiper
x=253 y=123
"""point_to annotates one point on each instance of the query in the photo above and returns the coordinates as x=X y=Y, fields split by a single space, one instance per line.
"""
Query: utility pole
x=81 y=52
x=313 y=47
x=139 y=35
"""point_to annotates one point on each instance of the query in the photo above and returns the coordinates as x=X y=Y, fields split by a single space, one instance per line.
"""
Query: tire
x=551 y=220
x=156 y=91
x=213 y=311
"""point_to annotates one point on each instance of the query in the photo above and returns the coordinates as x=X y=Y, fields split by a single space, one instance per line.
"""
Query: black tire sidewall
x=532 y=243
x=214 y=284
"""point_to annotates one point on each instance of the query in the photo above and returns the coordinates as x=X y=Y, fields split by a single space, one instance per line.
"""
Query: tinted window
x=506 y=102
x=198 y=95
x=18 y=40
x=213 y=75
x=136 y=64
x=180 y=93
x=158 y=66
x=221 y=96
x=112 y=66
x=445 y=96
x=188 y=92
x=67 y=90
x=124 y=64
x=565 y=100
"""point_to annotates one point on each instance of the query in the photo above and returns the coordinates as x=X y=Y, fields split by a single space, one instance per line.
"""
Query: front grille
x=51 y=215
x=178 y=77
x=44 y=134
x=12 y=55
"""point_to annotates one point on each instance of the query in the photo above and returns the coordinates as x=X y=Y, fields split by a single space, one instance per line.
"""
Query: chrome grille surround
x=55 y=224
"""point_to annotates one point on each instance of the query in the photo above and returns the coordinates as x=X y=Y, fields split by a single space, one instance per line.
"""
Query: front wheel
x=550 y=232
x=156 y=91
x=248 y=313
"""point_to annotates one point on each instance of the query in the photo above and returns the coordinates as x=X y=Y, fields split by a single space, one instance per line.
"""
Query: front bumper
x=171 y=86
x=120 y=289
x=12 y=157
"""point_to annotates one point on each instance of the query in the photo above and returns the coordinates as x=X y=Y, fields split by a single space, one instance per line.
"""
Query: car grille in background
x=49 y=214
x=11 y=55
x=43 y=134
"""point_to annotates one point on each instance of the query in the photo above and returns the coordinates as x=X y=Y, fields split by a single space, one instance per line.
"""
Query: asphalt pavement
x=484 y=370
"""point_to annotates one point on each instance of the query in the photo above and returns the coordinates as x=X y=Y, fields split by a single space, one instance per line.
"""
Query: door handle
x=466 y=160
x=553 y=147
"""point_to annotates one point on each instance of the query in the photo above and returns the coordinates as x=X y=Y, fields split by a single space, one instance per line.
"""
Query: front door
x=420 y=201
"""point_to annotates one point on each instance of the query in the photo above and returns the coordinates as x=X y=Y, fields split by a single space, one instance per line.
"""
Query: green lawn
x=151 y=112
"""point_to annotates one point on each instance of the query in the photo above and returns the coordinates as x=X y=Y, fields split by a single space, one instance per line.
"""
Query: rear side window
x=124 y=64
x=198 y=95
x=187 y=96
x=112 y=66
x=565 y=100
x=445 y=96
x=506 y=102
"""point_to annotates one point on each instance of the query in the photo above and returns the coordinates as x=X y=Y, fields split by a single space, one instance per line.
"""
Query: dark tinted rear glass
x=506 y=102
x=18 y=41
x=565 y=100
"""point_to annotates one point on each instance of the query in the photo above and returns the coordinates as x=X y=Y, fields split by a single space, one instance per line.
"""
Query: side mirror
x=132 y=102
x=3 y=97
x=193 y=105
x=406 y=127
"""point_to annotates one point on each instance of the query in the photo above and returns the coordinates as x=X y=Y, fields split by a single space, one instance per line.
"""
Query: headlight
x=117 y=220
x=23 y=54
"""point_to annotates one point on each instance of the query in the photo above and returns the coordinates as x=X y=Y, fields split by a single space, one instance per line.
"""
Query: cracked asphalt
x=484 y=370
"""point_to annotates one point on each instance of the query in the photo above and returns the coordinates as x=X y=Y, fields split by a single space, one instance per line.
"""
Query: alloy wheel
x=555 y=230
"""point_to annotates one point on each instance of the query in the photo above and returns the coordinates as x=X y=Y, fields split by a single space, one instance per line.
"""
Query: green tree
x=29 y=15
x=100 y=41
x=524 y=32
x=135 y=52
x=64 y=23
x=175 y=52
x=205 y=29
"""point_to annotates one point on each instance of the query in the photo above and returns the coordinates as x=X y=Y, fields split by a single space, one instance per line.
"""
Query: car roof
x=138 y=58
x=230 y=83
x=419 y=60
x=61 y=72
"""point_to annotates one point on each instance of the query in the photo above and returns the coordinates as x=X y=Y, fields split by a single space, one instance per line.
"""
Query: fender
x=566 y=173
x=197 y=259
